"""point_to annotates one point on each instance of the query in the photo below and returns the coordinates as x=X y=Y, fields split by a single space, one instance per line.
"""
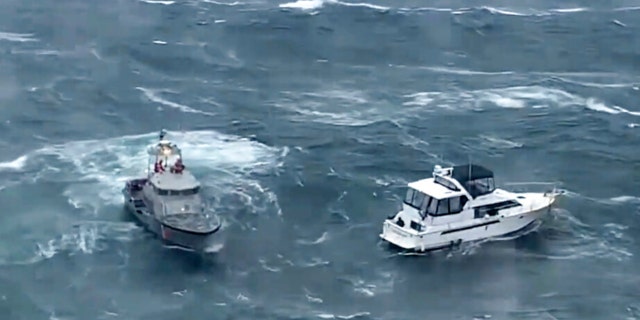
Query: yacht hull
x=477 y=229
x=171 y=236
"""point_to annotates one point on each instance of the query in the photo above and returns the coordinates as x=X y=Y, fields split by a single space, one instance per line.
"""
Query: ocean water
x=304 y=120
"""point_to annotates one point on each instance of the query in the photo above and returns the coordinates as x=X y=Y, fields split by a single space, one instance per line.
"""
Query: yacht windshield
x=423 y=203
x=427 y=205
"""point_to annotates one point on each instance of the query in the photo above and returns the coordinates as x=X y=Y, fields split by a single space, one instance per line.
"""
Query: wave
x=17 y=37
x=14 y=165
x=162 y=2
x=335 y=106
x=86 y=237
x=154 y=95
x=317 y=4
x=511 y=98
x=92 y=173
x=310 y=5
x=231 y=4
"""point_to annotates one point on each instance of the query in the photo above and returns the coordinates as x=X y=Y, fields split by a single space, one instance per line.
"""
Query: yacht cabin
x=453 y=194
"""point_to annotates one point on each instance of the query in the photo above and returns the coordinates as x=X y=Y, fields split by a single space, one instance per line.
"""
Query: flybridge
x=475 y=179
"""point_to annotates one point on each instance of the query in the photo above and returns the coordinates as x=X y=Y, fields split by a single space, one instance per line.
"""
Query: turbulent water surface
x=304 y=120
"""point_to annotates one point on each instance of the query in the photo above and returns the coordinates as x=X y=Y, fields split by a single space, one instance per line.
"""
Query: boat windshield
x=423 y=203
x=182 y=207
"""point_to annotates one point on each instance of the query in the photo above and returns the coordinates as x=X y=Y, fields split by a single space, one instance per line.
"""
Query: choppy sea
x=304 y=120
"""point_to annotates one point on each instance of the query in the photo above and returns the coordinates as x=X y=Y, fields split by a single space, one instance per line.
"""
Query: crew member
x=178 y=166
x=158 y=167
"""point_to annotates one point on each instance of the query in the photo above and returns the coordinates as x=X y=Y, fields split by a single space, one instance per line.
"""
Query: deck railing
x=534 y=186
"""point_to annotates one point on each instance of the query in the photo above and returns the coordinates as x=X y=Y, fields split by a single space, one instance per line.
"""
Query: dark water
x=304 y=121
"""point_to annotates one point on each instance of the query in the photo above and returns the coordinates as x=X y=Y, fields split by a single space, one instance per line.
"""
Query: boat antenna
x=469 y=164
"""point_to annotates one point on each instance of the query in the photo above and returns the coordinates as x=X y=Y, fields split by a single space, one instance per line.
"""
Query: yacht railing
x=533 y=186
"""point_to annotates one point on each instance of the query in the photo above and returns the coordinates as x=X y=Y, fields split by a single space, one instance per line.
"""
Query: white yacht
x=460 y=204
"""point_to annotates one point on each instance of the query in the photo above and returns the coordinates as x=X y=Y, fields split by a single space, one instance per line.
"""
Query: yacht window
x=417 y=200
x=409 y=196
x=454 y=205
x=163 y=192
x=425 y=205
x=443 y=207
x=415 y=226
x=446 y=206
x=446 y=183
x=433 y=207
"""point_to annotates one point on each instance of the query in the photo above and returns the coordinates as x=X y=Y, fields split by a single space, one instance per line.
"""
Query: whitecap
x=87 y=237
x=14 y=165
x=17 y=37
x=324 y=237
x=154 y=95
x=163 y=2
x=625 y=199
x=235 y=3
x=500 y=143
x=303 y=4
x=618 y=23
x=362 y=4
x=345 y=317
x=336 y=106
x=570 y=10
x=317 y=4
x=508 y=12
x=627 y=9
x=574 y=239
x=511 y=97
x=596 y=105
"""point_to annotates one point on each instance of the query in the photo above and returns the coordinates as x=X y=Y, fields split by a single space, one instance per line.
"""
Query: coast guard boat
x=460 y=204
x=168 y=201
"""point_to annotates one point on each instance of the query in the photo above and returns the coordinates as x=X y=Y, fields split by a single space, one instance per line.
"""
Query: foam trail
x=154 y=95
x=85 y=238
x=98 y=168
x=512 y=97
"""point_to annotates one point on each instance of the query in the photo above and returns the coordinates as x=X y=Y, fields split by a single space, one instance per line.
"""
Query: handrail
x=526 y=186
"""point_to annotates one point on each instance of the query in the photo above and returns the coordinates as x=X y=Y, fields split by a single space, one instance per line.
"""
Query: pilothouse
x=458 y=204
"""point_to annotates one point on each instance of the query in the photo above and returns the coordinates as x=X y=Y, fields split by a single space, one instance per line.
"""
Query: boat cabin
x=447 y=196
x=169 y=178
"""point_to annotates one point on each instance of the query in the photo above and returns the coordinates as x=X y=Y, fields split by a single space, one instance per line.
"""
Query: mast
x=469 y=163
x=163 y=132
